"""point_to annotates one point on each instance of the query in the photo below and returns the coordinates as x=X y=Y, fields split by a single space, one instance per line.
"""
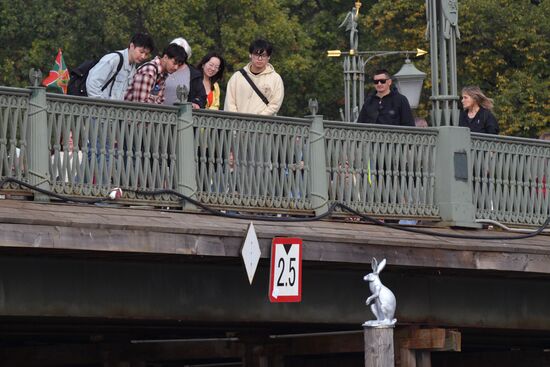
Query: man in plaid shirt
x=149 y=81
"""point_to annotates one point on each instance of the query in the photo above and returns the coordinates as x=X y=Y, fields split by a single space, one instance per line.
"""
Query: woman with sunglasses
x=476 y=113
x=212 y=67
x=386 y=105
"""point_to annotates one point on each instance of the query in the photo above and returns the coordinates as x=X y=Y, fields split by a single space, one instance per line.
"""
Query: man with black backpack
x=111 y=76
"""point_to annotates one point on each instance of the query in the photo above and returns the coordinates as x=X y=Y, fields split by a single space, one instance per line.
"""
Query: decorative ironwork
x=382 y=171
x=96 y=146
x=262 y=164
x=14 y=104
x=511 y=179
x=35 y=76
x=313 y=106
x=252 y=162
x=181 y=93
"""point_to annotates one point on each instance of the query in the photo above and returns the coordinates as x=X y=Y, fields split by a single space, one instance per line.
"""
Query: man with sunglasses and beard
x=386 y=106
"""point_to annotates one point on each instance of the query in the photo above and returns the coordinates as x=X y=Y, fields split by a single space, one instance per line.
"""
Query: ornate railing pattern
x=14 y=103
x=85 y=147
x=252 y=161
x=381 y=171
x=511 y=178
x=96 y=145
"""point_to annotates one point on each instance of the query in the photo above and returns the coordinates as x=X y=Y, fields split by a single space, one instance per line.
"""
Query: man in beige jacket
x=263 y=92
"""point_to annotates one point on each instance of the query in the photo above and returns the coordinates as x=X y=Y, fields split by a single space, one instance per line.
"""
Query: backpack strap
x=260 y=94
x=150 y=63
x=112 y=80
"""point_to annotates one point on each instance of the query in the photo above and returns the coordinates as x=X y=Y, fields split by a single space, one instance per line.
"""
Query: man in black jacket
x=386 y=106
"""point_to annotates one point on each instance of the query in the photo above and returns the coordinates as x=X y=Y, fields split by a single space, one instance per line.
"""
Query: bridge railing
x=14 y=122
x=252 y=162
x=82 y=147
x=511 y=179
x=96 y=145
x=381 y=171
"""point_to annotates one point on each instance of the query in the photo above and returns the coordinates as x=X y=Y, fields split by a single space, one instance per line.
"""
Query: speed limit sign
x=285 y=284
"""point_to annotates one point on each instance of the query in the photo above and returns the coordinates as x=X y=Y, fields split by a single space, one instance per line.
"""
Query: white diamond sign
x=250 y=252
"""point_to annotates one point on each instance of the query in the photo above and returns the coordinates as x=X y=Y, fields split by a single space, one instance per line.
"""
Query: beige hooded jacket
x=240 y=97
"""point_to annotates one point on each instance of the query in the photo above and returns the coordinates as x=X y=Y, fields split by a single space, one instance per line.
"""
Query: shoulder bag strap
x=260 y=94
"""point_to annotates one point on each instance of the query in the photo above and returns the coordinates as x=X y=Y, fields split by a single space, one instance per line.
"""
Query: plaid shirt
x=148 y=84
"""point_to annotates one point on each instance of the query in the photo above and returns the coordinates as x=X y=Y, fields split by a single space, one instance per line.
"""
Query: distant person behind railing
x=476 y=113
x=385 y=105
x=420 y=122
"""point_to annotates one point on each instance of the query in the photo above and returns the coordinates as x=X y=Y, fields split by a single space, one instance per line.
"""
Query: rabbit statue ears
x=377 y=268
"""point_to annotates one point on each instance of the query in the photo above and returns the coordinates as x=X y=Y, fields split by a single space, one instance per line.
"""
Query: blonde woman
x=212 y=67
x=476 y=113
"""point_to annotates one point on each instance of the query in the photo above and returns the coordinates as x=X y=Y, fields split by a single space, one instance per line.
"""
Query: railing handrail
x=382 y=128
x=15 y=91
x=56 y=97
x=252 y=117
x=511 y=139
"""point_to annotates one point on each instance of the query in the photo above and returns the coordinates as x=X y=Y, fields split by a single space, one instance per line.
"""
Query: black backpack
x=77 y=82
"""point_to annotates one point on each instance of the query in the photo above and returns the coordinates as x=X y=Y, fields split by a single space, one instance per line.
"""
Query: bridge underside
x=88 y=286
x=188 y=311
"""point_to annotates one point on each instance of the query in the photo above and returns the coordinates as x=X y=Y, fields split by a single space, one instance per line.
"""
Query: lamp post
x=442 y=18
x=354 y=69
x=409 y=82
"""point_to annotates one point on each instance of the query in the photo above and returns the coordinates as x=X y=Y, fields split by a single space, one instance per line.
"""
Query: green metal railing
x=14 y=118
x=511 y=179
x=251 y=161
x=95 y=145
x=84 y=147
x=382 y=171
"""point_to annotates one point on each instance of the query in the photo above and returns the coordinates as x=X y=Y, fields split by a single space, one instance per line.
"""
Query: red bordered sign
x=285 y=281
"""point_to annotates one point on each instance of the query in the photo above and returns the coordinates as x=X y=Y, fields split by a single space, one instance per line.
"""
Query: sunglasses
x=379 y=81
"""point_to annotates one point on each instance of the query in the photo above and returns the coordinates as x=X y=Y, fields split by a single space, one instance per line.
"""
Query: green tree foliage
x=505 y=50
x=398 y=25
x=504 y=46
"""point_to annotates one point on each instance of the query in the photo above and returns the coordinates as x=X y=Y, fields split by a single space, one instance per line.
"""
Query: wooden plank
x=118 y=229
x=407 y=358
x=423 y=358
x=322 y=344
x=330 y=231
x=425 y=339
x=435 y=339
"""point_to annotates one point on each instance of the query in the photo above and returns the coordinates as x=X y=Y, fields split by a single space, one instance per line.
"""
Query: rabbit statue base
x=382 y=301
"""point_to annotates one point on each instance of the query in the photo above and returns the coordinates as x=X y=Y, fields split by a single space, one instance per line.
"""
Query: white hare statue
x=382 y=301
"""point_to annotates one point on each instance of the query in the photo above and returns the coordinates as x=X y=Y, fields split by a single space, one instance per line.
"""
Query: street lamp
x=409 y=82
x=354 y=69
x=354 y=78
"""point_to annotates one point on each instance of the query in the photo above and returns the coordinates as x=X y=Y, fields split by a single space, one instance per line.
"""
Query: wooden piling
x=379 y=346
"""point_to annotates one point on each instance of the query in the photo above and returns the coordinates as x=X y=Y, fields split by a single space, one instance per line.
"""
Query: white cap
x=183 y=43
